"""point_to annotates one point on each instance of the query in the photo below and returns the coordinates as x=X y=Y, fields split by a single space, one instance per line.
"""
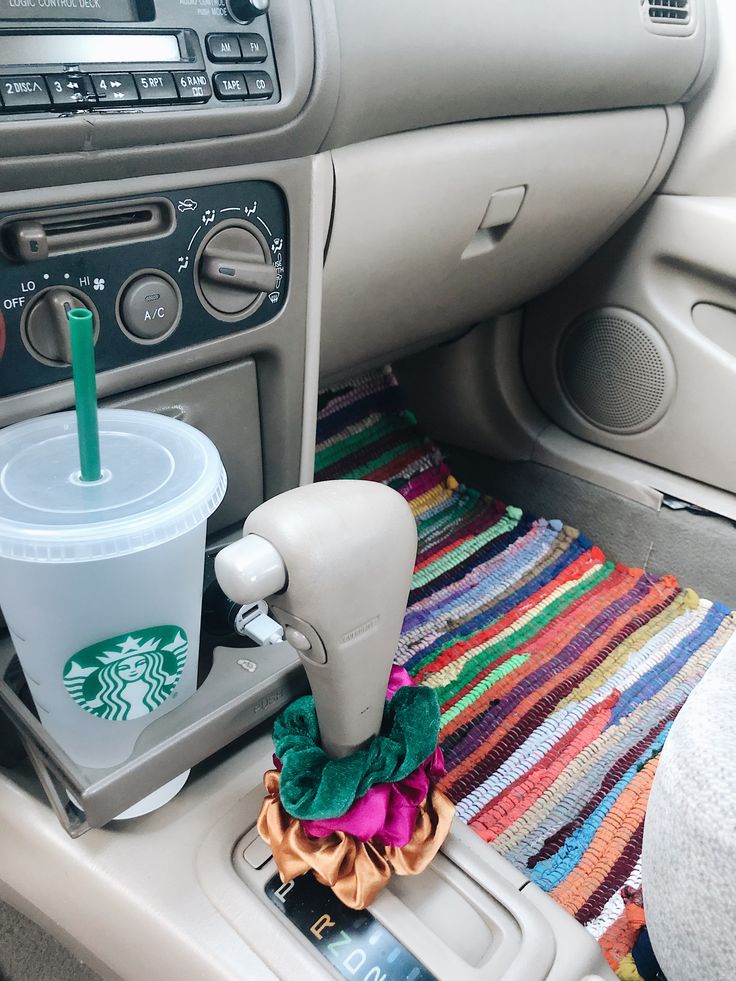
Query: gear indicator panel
x=158 y=274
x=355 y=944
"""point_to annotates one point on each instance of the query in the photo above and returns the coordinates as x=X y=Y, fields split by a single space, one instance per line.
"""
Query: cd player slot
x=36 y=237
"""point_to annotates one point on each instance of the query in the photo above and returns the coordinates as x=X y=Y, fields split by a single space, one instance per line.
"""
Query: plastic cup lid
x=160 y=479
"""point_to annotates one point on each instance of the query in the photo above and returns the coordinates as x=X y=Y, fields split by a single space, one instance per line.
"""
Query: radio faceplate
x=147 y=296
x=62 y=57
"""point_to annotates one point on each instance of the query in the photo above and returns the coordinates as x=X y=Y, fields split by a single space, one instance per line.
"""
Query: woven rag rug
x=559 y=673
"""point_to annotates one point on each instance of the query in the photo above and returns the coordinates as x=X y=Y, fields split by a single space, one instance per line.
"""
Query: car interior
x=475 y=256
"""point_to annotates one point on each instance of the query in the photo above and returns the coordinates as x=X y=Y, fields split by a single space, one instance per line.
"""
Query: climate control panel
x=158 y=274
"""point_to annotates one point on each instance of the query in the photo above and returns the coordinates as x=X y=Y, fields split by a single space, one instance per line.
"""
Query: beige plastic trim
x=232 y=422
x=485 y=406
x=422 y=63
x=323 y=195
x=252 y=919
x=673 y=257
x=637 y=481
x=531 y=937
x=160 y=897
x=718 y=324
x=399 y=275
x=706 y=163
x=672 y=28
x=131 y=897
x=709 y=14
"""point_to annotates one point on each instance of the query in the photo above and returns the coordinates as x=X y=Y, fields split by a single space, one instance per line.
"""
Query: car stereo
x=80 y=56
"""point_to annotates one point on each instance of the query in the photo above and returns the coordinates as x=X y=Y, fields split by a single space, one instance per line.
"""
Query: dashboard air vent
x=669 y=11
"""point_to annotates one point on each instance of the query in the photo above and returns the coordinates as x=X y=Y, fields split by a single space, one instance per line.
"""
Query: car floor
x=28 y=953
x=698 y=548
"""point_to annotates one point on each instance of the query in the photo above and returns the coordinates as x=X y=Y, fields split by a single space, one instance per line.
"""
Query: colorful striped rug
x=559 y=673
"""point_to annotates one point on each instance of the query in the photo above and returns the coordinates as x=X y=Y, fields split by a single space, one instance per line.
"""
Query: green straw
x=81 y=327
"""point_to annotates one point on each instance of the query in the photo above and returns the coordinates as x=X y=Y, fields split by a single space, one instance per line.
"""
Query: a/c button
x=150 y=308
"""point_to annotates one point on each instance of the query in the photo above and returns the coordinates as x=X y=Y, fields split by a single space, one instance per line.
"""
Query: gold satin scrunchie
x=356 y=871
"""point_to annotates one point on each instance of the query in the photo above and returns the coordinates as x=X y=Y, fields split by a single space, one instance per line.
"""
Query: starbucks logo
x=128 y=676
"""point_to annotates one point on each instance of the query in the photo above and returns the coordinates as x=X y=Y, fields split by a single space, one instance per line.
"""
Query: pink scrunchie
x=387 y=814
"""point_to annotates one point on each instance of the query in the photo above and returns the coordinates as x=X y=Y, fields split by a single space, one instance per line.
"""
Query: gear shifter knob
x=335 y=560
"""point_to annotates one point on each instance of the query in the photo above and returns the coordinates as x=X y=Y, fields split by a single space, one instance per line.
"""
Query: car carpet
x=559 y=673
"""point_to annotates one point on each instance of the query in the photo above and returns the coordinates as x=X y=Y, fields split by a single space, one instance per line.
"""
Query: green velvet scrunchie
x=315 y=787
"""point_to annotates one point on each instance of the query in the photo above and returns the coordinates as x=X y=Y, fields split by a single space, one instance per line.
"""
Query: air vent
x=669 y=16
x=669 y=11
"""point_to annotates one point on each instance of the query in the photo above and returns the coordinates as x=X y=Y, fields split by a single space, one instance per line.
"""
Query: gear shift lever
x=337 y=559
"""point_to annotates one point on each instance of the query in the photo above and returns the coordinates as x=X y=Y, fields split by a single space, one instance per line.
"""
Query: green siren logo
x=128 y=676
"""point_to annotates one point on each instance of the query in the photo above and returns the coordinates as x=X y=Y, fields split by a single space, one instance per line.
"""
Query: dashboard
x=311 y=186
x=341 y=73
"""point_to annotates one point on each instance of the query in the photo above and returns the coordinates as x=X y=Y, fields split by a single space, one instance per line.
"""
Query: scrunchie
x=386 y=815
x=315 y=787
x=356 y=871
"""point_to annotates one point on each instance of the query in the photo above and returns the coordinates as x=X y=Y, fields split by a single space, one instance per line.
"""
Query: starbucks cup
x=101 y=582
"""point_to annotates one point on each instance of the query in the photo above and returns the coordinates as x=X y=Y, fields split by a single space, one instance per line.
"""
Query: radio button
x=156 y=87
x=253 y=47
x=223 y=47
x=230 y=85
x=70 y=90
x=260 y=85
x=115 y=88
x=193 y=86
x=24 y=92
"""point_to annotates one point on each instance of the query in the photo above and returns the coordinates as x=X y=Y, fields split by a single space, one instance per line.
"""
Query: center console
x=182 y=276
x=141 y=126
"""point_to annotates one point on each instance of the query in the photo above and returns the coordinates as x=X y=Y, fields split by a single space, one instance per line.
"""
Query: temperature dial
x=244 y=11
x=45 y=324
x=234 y=271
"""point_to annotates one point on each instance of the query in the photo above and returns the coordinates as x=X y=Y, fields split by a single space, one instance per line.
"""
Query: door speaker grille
x=616 y=371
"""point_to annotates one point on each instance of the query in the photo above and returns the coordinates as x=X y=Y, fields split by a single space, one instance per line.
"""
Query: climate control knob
x=234 y=271
x=45 y=323
x=244 y=11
